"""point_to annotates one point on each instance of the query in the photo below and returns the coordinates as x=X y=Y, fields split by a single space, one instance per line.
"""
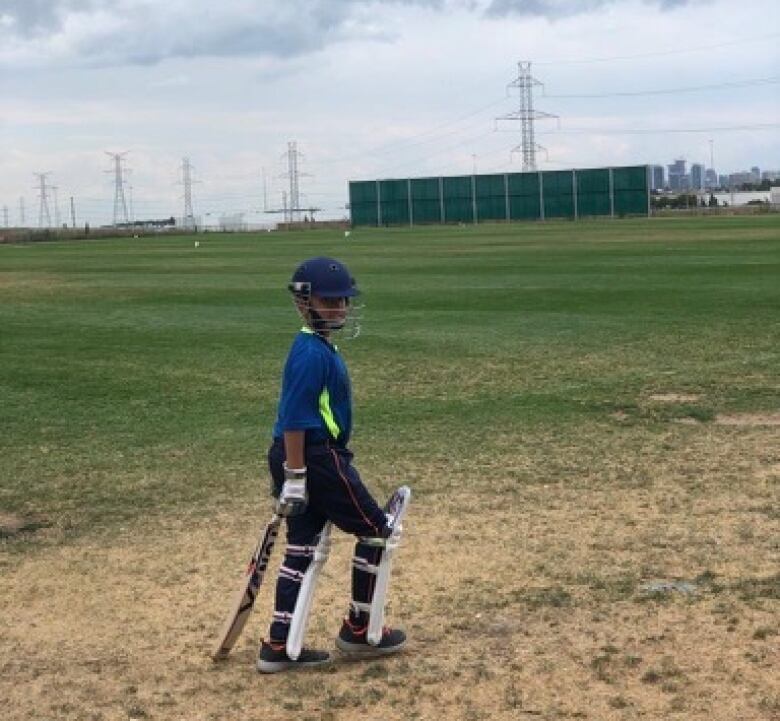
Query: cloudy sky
x=367 y=89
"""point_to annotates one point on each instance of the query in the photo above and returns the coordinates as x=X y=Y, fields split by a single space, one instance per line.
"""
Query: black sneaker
x=352 y=640
x=273 y=658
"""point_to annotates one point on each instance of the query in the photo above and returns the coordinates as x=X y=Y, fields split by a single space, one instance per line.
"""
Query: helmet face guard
x=325 y=278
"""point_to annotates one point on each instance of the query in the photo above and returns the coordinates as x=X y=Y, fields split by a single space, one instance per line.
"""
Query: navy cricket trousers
x=337 y=494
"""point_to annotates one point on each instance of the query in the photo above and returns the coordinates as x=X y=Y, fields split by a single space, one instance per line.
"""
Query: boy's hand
x=293 y=498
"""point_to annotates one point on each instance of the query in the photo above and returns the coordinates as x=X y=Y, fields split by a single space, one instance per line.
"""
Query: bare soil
x=749 y=419
x=673 y=397
x=538 y=607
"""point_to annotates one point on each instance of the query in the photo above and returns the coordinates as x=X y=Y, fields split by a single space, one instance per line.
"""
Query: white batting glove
x=294 y=498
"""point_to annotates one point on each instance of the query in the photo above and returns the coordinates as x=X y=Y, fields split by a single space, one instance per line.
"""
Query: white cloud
x=116 y=32
x=142 y=32
x=554 y=9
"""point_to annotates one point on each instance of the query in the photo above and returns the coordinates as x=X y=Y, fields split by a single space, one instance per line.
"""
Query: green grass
x=140 y=376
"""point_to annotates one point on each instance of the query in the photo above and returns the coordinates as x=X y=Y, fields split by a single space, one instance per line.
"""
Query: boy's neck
x=324 y=334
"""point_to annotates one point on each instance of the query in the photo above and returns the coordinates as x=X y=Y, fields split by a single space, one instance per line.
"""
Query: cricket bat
x=245 y=596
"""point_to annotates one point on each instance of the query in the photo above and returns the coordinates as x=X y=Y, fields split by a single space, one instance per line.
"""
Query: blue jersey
x=316 y=393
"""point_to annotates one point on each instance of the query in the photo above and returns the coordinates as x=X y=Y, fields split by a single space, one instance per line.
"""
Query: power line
x=446 y=149
x=414 y=140
x=418 y=139
x=661 y=53
x=662 y=131
x=668 y=91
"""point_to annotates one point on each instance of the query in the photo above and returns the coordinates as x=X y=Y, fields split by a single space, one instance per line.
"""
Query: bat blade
x=244 y=599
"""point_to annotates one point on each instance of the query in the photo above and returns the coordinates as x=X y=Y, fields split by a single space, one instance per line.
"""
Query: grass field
x=589 y=416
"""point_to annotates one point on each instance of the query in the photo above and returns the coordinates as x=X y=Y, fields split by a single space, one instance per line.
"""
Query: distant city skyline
x=677 y=177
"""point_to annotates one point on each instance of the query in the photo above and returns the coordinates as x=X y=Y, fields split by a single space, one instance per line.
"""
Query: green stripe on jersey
x=327 y=414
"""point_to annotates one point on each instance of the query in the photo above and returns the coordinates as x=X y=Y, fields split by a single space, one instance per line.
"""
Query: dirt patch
x=749 y=419
x=530 y=609
x=12 y=525
x=673 y=398
x=548 y=600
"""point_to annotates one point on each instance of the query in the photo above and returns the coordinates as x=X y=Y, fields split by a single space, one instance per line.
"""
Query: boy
x=313 y=477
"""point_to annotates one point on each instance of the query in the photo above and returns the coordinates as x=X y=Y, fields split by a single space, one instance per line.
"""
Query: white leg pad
x=396 y=510
x=300 y=616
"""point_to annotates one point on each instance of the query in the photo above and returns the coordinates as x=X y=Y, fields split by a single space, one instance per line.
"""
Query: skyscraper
x=655 y=177
x=697 y=176
x=678 y=178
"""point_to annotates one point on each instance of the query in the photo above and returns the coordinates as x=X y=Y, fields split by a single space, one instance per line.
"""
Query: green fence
x=573 y=194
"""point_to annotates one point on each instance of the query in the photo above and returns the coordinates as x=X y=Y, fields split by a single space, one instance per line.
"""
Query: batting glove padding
x=293 y=498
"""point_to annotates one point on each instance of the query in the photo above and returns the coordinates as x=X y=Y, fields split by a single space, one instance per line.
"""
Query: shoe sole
x=277 y=666
x=365 y=649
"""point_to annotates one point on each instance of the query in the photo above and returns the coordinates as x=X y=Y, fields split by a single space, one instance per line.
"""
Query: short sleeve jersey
x=316 y=393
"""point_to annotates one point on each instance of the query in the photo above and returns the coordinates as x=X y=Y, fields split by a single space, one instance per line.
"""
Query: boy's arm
x=293 y=448
x=293 y=498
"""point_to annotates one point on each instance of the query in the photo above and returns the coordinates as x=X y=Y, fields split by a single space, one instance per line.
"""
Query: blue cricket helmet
x=324 y=277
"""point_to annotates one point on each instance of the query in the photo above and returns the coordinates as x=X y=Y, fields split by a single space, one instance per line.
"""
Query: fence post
x=611 y=194
x=409 y=196
x=474 y=197
x=647 y=187
x=574 y=193
x=506 y=196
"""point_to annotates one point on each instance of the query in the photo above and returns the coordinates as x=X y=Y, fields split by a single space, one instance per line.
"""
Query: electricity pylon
x=525 y=83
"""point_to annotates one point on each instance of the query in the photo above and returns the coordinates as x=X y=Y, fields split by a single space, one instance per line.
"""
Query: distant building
x=755 y=171
x=710 y=178
x=678 y=178
x=739 y=197
x=770 y=175
x=697 y=176
x=737 y=179
x=655 y=177
x=232 y=222
x=723 y=181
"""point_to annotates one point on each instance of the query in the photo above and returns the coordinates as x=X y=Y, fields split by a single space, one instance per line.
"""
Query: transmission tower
x=44 y=216
x=5 y=216
x=21 y=212
x=186 y=174
x=120 y=204
x=291 y=200
x=525 y=83
x=292 y=172
x=57 y=221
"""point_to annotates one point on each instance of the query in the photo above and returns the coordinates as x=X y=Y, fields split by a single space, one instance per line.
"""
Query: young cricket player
x=314 y=480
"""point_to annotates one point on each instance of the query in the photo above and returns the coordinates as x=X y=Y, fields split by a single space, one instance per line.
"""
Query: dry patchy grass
x=574 y=598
